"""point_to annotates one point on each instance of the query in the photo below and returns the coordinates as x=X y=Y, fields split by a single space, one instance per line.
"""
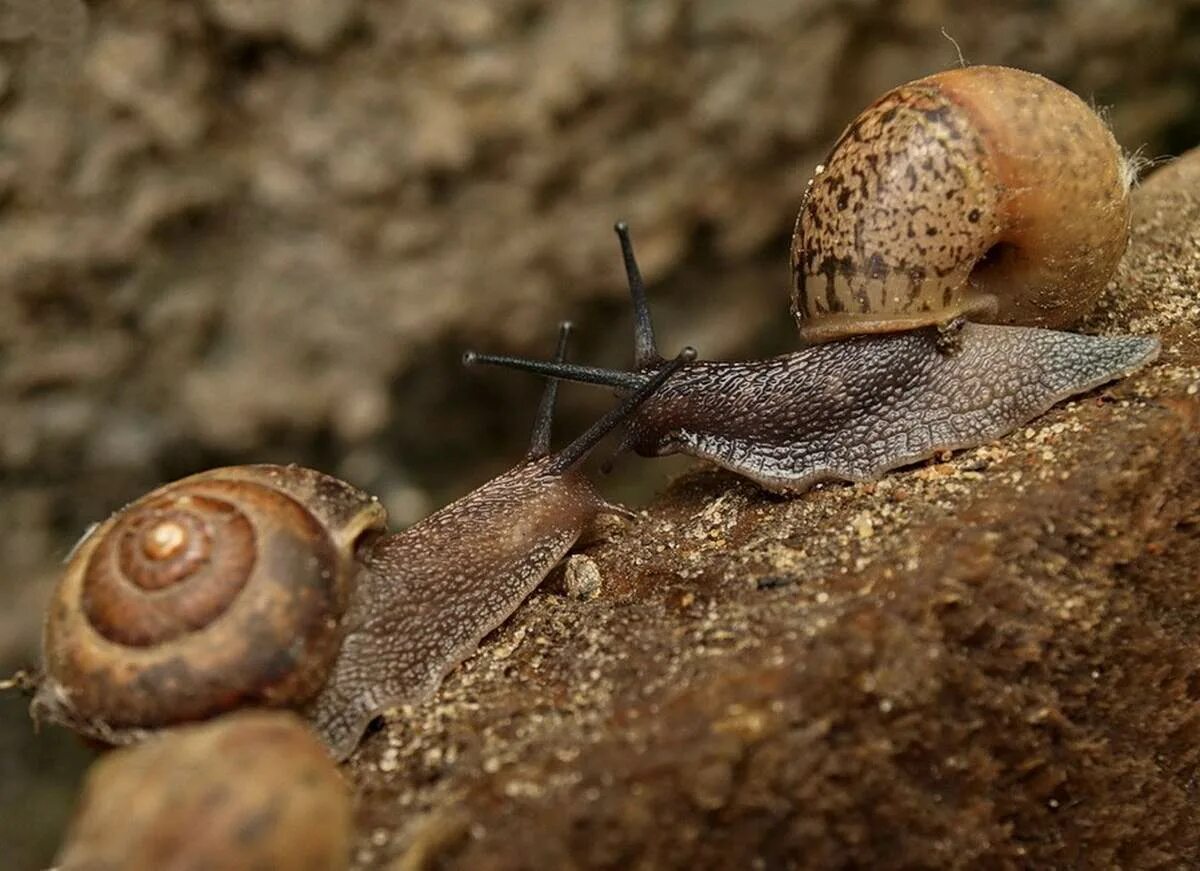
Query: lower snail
x=957 y=224
x=252 y=789
x=278 y=586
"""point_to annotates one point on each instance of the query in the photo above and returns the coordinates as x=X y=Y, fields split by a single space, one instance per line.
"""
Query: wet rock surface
x=990 y=661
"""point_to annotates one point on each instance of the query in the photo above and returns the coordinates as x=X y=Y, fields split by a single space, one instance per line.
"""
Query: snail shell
x=986 y=192
x=220 y=590
x=253 y=789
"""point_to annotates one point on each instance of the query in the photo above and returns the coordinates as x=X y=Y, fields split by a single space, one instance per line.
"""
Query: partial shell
x=220 y=590
x=988 y=192
x=254 y=789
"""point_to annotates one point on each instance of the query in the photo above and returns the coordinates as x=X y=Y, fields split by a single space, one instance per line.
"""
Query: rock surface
x=248 y=232
x=988 y=662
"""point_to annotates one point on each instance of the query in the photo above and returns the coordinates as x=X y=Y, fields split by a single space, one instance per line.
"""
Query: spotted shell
x=987 y=192
x=220 y=590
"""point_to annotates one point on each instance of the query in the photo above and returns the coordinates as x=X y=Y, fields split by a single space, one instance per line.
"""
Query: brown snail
x=252 y=789
x=956 y=221
x=279 y=586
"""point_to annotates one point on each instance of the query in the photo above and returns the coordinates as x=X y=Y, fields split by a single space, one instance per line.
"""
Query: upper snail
x=984 y=194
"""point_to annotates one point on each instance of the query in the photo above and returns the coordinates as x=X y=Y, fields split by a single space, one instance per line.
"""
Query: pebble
x=582 y=577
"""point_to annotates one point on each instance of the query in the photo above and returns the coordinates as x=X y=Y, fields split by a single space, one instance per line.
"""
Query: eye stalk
x=539 y=441
x=645 y=351
x=646 y=355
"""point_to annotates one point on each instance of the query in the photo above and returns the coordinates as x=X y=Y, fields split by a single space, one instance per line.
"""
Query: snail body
x=279 y=586
x=252 y=789
x=839 y=411
x=955 y=221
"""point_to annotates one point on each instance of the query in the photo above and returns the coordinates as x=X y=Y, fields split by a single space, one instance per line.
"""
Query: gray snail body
x=278 y=586
x=955 y=222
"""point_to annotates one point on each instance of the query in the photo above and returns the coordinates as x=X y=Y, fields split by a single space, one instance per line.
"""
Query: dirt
x=265 y=232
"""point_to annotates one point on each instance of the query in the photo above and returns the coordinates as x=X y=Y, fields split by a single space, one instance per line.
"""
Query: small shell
x=986 y=191
x=220 y=590
x=255 y=789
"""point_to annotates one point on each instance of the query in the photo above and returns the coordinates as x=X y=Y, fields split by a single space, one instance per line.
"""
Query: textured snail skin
x=985 y=191
x=854 y=409
x=429 y=594
x=449 y=580
x=253 y=789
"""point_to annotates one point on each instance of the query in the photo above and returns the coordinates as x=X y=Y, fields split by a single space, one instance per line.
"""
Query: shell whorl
x=986 y=191
x=171 y=566
x=222 y=589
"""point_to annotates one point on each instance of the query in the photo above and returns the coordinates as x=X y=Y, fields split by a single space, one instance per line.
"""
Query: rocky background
x=264 y=231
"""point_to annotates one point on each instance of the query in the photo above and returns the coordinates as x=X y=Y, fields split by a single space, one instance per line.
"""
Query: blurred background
x=265 y=230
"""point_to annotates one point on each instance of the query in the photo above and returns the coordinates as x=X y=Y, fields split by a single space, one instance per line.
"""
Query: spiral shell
x=986 y=191
x=223 y=589
x=253 y=789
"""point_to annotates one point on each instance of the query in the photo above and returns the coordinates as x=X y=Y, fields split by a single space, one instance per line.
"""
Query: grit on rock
x=992 y=661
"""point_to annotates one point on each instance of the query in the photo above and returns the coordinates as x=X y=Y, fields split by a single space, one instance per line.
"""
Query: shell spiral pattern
x=211 y=593
x=174 y=565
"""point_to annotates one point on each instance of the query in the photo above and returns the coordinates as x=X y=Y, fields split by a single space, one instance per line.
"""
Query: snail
x=252 y=789
x=278 y=586
x=983 y=194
